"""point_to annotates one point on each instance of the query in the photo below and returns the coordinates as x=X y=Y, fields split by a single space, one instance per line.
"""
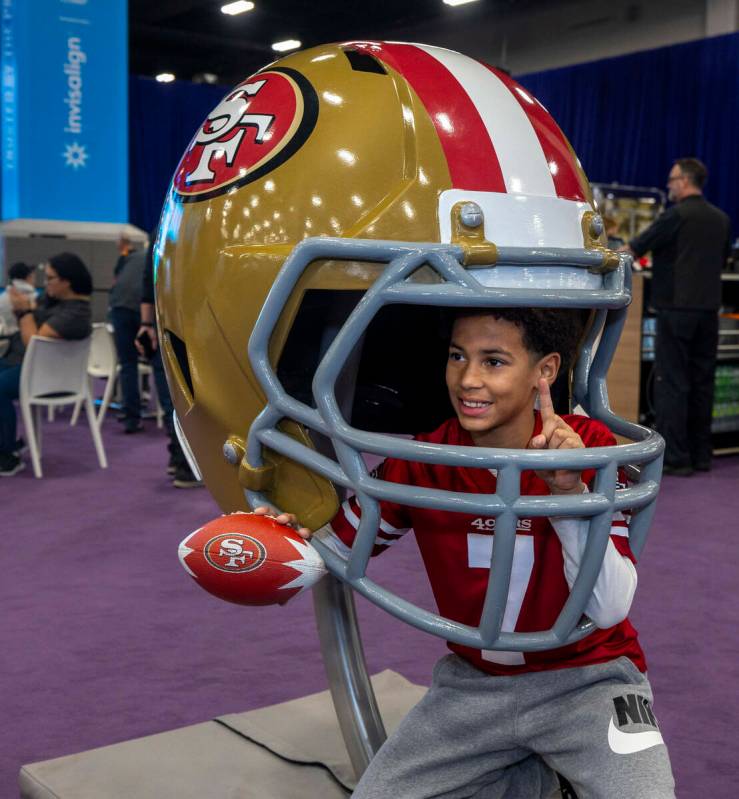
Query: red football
x=250 y=560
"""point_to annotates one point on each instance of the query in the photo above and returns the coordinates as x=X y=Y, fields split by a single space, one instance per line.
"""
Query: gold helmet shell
x=360 y=141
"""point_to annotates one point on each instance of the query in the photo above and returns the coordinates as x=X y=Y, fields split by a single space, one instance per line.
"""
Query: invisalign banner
x=64 y=110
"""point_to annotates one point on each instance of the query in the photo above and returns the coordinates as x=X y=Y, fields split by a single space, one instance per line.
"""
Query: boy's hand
x=556 y=434
x=288 y=519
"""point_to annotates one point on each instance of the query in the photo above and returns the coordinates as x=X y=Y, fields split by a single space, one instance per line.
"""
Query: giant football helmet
x=321 y=217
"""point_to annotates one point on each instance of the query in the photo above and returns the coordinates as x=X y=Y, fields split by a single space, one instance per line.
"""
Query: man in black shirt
x=690 y=243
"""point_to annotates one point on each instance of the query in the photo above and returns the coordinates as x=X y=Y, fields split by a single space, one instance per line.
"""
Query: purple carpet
x=105 y=638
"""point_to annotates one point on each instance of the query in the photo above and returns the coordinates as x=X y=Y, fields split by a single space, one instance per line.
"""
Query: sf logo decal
x=230 y=552
x=255 y=128
x=230 y=116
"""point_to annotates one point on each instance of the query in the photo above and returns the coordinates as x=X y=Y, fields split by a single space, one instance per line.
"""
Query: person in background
x=22 y=277
x=178 y=467
x=125 y=299
x=65 y=313
x=125 y=248
x=690 y=244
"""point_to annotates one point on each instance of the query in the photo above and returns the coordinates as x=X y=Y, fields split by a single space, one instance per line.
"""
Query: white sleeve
x=8 y=322
x=614 y=589
x=328 y=537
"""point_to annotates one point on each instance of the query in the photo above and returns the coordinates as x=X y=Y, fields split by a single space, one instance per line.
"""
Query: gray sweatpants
x=474 y=735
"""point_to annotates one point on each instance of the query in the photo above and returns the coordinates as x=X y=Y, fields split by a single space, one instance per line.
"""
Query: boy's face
x=492 y=380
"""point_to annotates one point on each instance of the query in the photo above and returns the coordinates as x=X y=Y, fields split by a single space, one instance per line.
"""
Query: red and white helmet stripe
x=496 y=137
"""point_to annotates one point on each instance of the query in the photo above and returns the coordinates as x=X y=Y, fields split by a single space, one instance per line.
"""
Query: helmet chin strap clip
x=259 y=478
x=594 y=239
x=468 y=232
x=252 y=478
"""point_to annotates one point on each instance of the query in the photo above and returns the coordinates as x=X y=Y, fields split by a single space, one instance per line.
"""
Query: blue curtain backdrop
x=163 y=118
x=628 y=118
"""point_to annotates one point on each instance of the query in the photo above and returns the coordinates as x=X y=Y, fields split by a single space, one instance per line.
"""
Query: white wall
x=529 y=37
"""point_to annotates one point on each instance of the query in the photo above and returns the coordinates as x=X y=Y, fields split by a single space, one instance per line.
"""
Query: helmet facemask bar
x=460 y=289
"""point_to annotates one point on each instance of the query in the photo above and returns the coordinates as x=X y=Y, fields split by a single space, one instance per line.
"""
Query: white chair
x=102 y=364
x=54 y=373
x=146 y=369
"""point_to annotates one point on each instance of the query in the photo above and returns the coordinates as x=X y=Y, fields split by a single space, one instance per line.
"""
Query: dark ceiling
x=191 y=37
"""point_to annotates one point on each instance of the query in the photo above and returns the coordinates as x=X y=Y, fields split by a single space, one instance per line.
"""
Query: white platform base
x=293 y=750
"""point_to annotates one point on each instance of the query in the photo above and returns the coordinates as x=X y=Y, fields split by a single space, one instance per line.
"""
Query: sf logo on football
x=234 y=553
x=229 y=114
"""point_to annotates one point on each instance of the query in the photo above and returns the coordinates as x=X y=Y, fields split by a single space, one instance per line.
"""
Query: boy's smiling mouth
x=473 y=407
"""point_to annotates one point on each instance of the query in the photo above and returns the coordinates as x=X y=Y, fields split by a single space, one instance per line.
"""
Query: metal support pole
x=343 y=657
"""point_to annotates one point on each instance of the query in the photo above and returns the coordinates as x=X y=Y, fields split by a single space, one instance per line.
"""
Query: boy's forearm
x=614 y=589
x=328 y=537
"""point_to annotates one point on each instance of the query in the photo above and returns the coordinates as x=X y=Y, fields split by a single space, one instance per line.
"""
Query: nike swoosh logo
x=626 y=743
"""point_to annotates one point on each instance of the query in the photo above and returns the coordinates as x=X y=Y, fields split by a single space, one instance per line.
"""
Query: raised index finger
x=546 y=406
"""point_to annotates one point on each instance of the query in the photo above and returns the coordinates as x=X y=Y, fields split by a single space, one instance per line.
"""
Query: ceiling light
x=239 y=7
x=165 y=77
x=205 y=77
x=457 y=2
x=288 y=44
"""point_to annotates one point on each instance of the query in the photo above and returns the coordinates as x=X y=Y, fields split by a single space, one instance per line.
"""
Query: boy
x=500 y=724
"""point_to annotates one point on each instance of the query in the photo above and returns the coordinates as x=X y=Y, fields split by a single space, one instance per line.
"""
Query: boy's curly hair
x=543 y=330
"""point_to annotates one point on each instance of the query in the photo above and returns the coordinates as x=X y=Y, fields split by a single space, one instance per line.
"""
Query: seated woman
x=64 y=312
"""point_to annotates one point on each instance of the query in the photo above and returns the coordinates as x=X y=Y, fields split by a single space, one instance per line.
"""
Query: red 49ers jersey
x=456 y=550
